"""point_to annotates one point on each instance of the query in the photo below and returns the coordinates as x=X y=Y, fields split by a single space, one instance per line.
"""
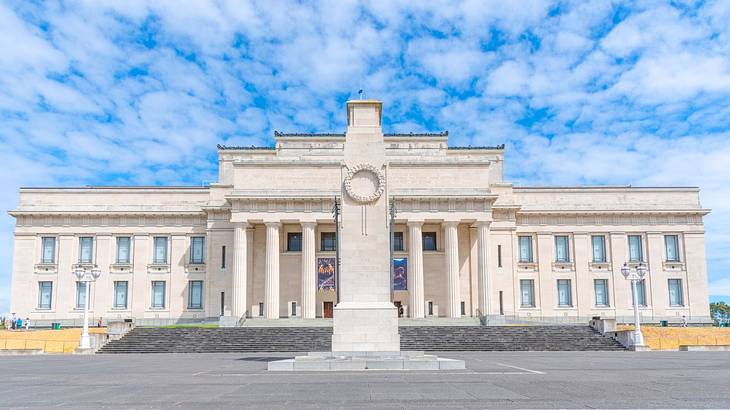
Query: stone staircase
x=308 y=339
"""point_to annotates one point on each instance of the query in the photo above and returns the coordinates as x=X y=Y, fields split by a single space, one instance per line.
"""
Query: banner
x=326 y=273
x=400 y=274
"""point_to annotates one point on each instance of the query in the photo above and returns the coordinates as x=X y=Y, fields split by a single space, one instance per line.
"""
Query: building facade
x=262 y=242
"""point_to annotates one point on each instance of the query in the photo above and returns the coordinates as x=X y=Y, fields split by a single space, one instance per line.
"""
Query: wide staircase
x=306 y=339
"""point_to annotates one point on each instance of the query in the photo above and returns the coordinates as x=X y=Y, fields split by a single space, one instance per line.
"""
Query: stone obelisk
x=365 y=319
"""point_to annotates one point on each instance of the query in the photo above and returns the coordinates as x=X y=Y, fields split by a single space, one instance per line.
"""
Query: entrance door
x=223 y=303
x=399 y=308
x=328 y=309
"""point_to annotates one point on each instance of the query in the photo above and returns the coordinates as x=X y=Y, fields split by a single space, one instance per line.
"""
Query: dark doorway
x=501 y=305
x=327 y=309
x=223 y=303
x=399 y=308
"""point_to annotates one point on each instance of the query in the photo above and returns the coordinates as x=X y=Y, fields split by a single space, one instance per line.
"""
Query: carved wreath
x=367 y=168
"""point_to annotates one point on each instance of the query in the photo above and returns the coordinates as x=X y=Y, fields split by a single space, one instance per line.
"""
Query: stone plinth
x=367 y=360
x=365 y=327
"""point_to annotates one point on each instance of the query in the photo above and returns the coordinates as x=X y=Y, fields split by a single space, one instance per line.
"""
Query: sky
x=600 y=92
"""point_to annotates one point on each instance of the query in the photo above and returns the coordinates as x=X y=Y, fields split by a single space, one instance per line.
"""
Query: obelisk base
x=365 y=327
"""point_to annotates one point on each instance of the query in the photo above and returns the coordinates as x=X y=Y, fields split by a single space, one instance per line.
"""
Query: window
x=527 y=290
x=86 y=247
x=294 y=242
x=429 y=241
x=123 y=247
x=562 y=253
x=48 y=254
x=197 y=246
x=45 y=293
x=598 y=243
x=158 y=294
x=120 y=294
x=463 y=308
x=675 y=292
x=80 y=295
x=195 y=294
x=525 y=245
x=641 y=293
x=328 y=241
x=601 y=288
x=565 y=298
x=499 y=256
x=671 y=243
x=398 y=241
x=223 y=257
x=160 y=255
x=636 y=253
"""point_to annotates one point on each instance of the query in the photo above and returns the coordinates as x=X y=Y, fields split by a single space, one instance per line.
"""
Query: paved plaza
x=492 y=380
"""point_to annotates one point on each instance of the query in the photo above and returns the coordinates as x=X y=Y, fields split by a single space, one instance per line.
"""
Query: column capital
x=482 y=223
x=241 y=224
x=272 y=224
x=414 y=222
x=451 y=222
x=308 y=224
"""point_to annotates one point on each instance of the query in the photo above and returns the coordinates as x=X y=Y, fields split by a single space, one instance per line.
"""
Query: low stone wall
x=49 y=341
x=664 y=338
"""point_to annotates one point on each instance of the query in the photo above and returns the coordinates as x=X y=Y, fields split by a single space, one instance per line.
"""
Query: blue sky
x=134 y=93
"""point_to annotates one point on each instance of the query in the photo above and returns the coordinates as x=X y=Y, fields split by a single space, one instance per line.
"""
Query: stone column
x=271 y=293
x=483 y=266
x=452 y=268
x=415 y=270
x=309 y=274
x=240 y=265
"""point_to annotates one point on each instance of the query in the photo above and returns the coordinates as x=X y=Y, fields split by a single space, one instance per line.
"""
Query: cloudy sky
x=600 y=92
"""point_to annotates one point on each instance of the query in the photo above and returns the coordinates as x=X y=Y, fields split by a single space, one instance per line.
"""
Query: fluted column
x=271 y=293
x=452 y=268
x=309 y=274
x=240 y=271
x=415 y=268
x=483 y=266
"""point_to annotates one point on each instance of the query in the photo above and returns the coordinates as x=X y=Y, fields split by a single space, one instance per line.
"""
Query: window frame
x=398 y=239
x=115 y=285
x=191 y=259
x=560 y=238
x=605 y=293
x=223 y=256
x=641 y=248
x=429 y=234
x=570 y=293
x=530 y=248
x=43 y=250
x=678 y=258
x=129 y=250
x=328 y=238
x=640 y=291
x=680 y=292
x=291 y=240
x=156 y=261
x=41 y=287
x=199 y=305
x=155 y=283
x=81 y=249
x=531 y=284
x=81 y=288
x=604 y=254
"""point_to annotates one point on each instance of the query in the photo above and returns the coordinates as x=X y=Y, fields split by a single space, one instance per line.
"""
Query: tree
x=719 y=311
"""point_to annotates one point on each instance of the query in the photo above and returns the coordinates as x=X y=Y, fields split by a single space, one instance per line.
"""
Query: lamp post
x=87 y=278
x=635 y=276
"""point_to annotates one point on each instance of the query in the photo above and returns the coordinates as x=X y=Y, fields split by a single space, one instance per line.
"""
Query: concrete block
x=312 y=365
x=420 y=364
x=376 y=364
x=347 y=365
x=451 y=364
x=281 y=365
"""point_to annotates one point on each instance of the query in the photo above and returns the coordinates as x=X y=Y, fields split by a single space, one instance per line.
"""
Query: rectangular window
x=641 y=293
x=294 y=242
x=160 y=255
x=45 y=294
x=499 y=256
x=328 y=241
x=48 y=255
x=527 y=290
x=636 y=253
x=223 y=257
x=429 y=241
x=195 y=294
x=86 y=247
x=80 y=295
x=197 y=249
x=120 y=294
x=562 y=251
x=525 y=245
x=123 y=248
x=398 y=242
x=158 y=294
x=565 y=298
x=675 y=292
x=598 y=243
x=671 y=243
x=601 y=288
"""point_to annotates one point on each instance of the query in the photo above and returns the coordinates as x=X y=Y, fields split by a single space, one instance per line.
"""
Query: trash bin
x=54 y=326
x=663 y=323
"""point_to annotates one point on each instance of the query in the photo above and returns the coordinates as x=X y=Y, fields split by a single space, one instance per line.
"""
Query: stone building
x=261 y=242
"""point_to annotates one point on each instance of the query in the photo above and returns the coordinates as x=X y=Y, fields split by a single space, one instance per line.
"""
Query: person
x=19 y=325
x=13 y=321
x=27 y=323
x=684 y=321
x=98 y=324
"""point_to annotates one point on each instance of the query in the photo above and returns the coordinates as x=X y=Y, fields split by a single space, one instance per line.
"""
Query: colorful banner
x=326 y=273
x=400 y=274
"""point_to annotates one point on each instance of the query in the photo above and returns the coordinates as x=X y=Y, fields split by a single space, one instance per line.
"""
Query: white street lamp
x=635 y=276
x=82 y=276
